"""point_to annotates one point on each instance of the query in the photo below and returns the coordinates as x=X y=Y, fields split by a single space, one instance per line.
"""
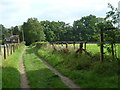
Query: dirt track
x=23 y=78
x=65 y=80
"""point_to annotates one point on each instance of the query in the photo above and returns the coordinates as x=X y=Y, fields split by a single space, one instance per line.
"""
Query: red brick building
x=12 y=39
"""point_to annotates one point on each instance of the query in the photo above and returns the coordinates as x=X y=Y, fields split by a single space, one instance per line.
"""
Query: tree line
x=85 y=29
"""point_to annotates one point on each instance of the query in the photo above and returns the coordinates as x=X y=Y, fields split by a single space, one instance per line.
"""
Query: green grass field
x=11 y=70
x=87 y=72
x=92 y=48
x=118 y=50
x=38 y=74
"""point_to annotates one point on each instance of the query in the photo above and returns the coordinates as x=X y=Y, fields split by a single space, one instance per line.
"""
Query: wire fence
x=8 y=49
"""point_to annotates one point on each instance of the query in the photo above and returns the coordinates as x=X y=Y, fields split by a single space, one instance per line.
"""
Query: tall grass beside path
x=82 y=69
x=11 y=70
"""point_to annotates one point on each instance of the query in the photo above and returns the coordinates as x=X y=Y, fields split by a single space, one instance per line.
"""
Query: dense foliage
x=3 y=31
x=33 y=31
x=85 y=29
x=40 y=44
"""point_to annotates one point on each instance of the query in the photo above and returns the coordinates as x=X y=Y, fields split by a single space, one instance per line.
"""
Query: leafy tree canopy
x=33 y=31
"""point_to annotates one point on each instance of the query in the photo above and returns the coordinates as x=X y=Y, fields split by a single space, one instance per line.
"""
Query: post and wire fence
x=8 y=49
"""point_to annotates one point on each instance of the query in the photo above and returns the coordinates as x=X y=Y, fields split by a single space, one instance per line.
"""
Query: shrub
x=23 y=42
x=40 y=44
x=77 y=62
x=84 y=62
x=105 y=68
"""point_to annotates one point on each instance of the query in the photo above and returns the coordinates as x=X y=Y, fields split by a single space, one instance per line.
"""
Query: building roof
x=13 y=37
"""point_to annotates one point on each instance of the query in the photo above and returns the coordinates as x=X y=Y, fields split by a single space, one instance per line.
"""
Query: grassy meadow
x=91 y=48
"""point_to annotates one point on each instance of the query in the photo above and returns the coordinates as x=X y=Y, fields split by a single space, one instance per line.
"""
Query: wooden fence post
x=101 y=45
x=11 y=49
x=4 y=52
x=74 y=44
x=66 y=45
x=7 y=49
x=112 y=47
x=81 y=47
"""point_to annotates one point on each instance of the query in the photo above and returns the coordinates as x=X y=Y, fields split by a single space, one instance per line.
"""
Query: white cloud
x=15 y=12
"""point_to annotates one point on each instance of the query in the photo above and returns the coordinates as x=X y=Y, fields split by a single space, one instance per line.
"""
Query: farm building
x=12 y=39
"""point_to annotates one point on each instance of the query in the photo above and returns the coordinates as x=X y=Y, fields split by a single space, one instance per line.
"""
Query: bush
x=40 y=44
x=23 y=42
x=105 y=68
x=77 y=62
x=84 y=62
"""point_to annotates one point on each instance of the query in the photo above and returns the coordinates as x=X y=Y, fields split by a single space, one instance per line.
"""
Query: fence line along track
x=78 y=42
x=8 y=49
x=83 y=44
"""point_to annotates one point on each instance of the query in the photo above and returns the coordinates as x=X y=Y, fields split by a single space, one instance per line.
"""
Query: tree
x=15 y=30
x=55 y=31
x=33 y=31
x=110 y=31
x=113 y=35
x=85 y=28
x=48 y=30
x=4 y=32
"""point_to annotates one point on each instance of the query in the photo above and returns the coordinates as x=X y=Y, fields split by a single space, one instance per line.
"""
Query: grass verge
x=10 y=70
x=38 y=74
x=82 y=69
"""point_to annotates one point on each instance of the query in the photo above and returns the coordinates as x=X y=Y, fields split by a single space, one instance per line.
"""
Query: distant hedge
x=40 y=44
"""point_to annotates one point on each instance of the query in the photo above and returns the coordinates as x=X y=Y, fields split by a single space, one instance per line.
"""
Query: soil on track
x=23 y=78
x=64 y=79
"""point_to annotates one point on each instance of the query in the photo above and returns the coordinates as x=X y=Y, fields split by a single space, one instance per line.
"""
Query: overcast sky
x=15 y=12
